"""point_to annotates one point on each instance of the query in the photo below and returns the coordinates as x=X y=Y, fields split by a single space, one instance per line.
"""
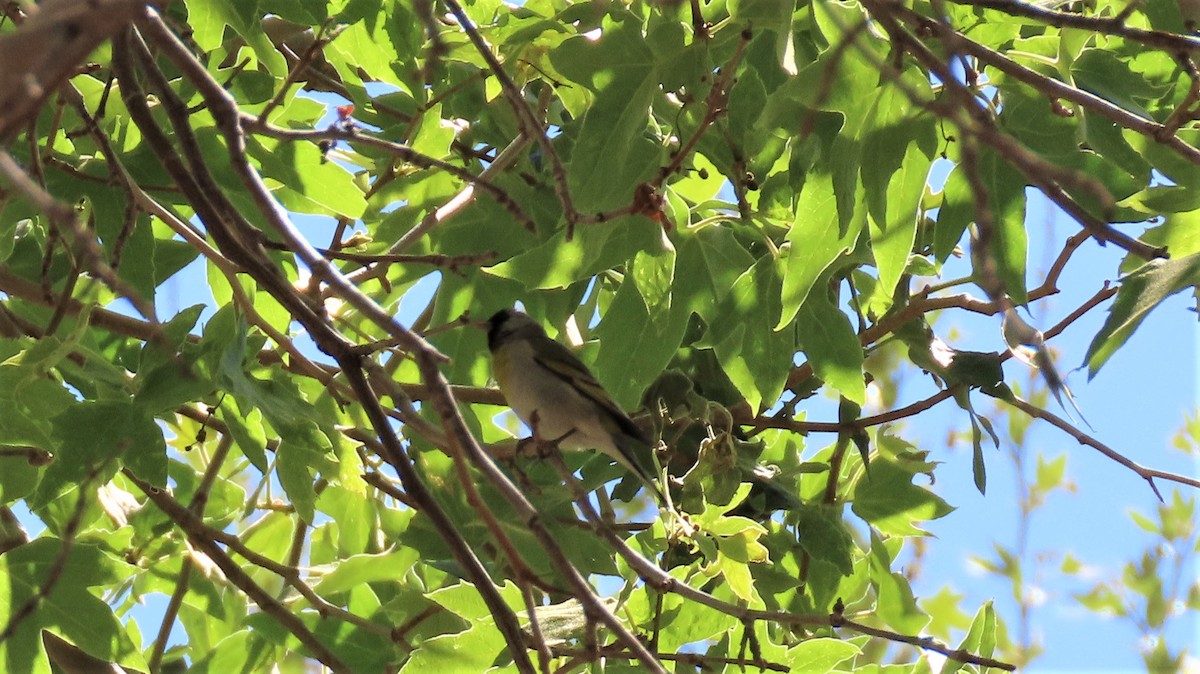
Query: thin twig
x=1170 y=42
x=254 y=124
x=205 y=539
x=529 y=124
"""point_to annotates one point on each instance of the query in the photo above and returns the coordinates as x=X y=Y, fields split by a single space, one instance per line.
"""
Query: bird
x=555 y=394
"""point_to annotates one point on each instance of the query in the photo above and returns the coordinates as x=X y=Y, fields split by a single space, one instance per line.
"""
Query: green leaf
x=896 y=605
x=1050 y=474
x=832 y=346
x=1006 y=197
x=980 y=639
x=93 y=433
x=820 y=654
x=636 y=343
x=1177 y=168
x=556 y=264
x=248 y=433
x=889 y=501
x=754 y=356
x=307 y=183
x=1104 y=73
x=1139 y=293
x=474 y=649
x=242 y=651
x=69 y=610
x=733 y=526
x=733 y=563
x=956 y=212
x=812 y=244
x=169 y=378
x=710 y=260
x=824 y=535
x=29 y=398
x=303 y=450
x=360 y=569
x=893 y=230
x=978 y=467
x=611 y=146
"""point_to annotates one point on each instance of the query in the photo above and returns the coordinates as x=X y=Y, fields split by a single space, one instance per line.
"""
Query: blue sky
x=1136 y=403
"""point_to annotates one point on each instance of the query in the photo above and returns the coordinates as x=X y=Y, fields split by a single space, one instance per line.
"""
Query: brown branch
x=699 y=662
x=699 y=25
x=1045 y=175
x=55 y=571
x=154 y=662
x=34 y=455
x=1050 y=87
x=199 y=499
x=461 y=441
x=920 y=406
x=301 y=65
x=451 y=262
x=1147 y=474
x=393 y=452
x=926 y=643
x=714 y=107
x=193 y=178
x=45 y=50
x=205 y=539
x=224 y=110
x=65 y=217
x=1171 y=42
x=254 y=124
x=1186 y=111
x=528 y=123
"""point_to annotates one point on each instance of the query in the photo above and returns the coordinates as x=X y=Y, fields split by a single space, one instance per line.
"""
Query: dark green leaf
x=1139 y=293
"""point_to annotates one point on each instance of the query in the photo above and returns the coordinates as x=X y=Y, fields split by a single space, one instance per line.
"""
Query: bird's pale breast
x=529 y=387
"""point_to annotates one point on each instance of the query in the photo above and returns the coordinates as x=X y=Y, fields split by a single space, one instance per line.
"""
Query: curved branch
x=1158 y=39
x=1147 y=474
x=1050 y=86
x=205 y=539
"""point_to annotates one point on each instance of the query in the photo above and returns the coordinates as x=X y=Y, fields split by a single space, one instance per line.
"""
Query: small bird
x=553 y=392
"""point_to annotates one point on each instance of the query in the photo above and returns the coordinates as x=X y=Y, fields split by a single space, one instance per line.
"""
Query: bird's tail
x=636 y=455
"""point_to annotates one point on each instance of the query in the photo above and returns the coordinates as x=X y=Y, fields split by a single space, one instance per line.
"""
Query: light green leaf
x=303 y=451
x=611 y=147
x=93 y=433
x=305 y=182
x=813 y=243
x=824 y=535
x=636 y=343
x=710 y=260
x=70 y=610
x=820 y=654
x=980 y=639
x=360 y=569
x=893 y=234
x=896 y=605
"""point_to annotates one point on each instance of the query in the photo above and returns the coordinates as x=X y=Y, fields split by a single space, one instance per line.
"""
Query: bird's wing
x=567 y=365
